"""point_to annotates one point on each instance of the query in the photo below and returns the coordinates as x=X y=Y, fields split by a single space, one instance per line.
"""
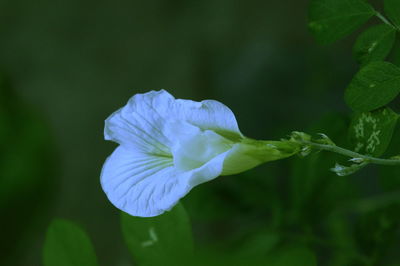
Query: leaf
x=392 y=10
x=382 y=226
x=293 y=256
x=371 y=132
x=374 y=86
x=389 y=177
x=28 y=163
x=252 y=249
x=394 y=56
x=331 y=20
x=339 y=233
x=161 y=240
x=24 y=140
x=374 y=44
x=218 y=257
x=258 y=244
x=67 y=244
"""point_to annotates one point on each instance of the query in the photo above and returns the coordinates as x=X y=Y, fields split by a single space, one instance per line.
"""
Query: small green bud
x=299 y=136
x=342 y=170
x=397 y=157
x=357 y=160
x=325 y=140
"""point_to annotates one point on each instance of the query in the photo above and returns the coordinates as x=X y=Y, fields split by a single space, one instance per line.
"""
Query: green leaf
x=258 y=244
x=331 y=20
x=382 y=226
x=67 y=244
x=394 y=56
x=161 y=240
x=374 y=44
x=264 y=255
x=389 y=177
x=392 y=10
x=293 y=256
x=371 y=132
x=374 y=86
x=28 y=163
x=339 y=234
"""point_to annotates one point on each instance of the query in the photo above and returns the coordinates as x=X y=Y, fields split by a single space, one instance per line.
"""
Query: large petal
x=139 y=124
x=142 y=123
x=146 y=185
x=209 y=115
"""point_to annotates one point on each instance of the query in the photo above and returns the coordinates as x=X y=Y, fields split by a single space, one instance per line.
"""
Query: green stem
x=350 y=153
x=386 y=21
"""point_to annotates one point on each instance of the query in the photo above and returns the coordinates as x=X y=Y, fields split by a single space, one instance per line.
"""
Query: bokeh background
x=66 y=65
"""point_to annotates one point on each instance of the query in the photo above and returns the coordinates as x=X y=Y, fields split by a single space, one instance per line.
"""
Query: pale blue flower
x=167 y=146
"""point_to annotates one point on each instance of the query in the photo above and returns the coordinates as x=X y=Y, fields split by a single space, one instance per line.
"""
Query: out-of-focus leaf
x=27 y=165
x=160 y=240
x=392 y=10
x=205 y=203
x=212 y=257
x=317 y=192
x=262 y=251
x=374 y=86
x=330 y=20
x=253 y=249
x=25 y=158
x=389 y=177
x=293 y=256
x=374 y=44
x=371 y=132
x=259 y=244
x=382 y=227
x=310 y=176
x=67 y=244
x=340 y=236
x=394 y=56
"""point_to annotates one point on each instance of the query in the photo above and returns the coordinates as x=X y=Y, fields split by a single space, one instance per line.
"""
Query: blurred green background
x=66 y=65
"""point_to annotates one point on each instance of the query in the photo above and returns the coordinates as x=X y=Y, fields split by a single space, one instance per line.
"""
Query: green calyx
x=249 y=153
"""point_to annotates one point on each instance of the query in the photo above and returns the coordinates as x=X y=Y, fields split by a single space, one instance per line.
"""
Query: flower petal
x=141 y=123
x=140 y=177
x=211 y=115
x=146 y=185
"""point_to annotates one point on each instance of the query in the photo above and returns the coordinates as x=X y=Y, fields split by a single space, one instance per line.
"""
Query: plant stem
x=350 y=153
x=386 y=21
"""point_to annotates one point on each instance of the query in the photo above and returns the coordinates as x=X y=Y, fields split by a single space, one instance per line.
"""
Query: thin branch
x=350 y=153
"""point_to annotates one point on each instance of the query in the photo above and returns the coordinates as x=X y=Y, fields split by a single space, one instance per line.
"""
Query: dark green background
x=67 y=65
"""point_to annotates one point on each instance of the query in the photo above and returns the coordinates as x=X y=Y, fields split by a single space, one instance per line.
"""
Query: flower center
x=193 y=147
